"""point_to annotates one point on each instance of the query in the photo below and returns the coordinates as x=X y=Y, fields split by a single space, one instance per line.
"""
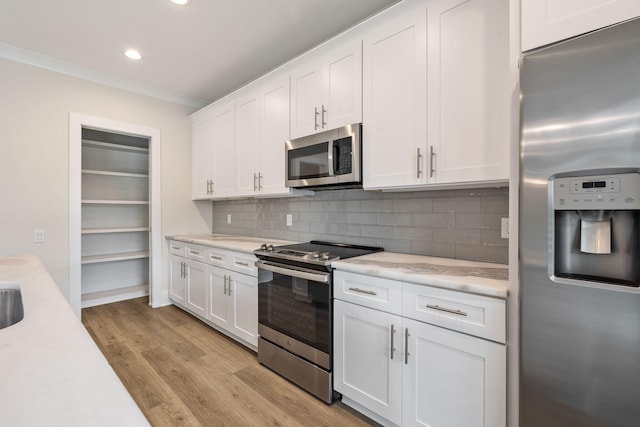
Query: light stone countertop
x=243 y=244
x=51 y=371
x=467 y=276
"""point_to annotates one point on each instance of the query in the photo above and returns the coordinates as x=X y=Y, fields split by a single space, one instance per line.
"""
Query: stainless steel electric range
x=295 y=311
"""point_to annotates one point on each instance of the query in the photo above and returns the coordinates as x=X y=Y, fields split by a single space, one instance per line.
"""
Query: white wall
x=34 y=114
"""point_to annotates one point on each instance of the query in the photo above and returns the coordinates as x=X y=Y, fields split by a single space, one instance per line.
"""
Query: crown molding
x=24 y=56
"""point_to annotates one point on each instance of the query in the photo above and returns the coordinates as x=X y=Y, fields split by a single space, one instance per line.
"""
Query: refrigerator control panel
x=597 y=192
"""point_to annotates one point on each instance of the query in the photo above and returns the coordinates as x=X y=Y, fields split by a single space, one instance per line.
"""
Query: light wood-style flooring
x=182 y=372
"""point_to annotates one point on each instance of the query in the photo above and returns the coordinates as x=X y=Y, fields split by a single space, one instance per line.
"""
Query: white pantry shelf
x=111 y=173
x=114 y=230
x=94 y=259
x=111 y=146
x=115 y=202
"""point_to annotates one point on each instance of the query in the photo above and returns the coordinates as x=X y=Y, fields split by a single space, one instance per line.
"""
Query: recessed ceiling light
x=181 y=2
x=133 y=54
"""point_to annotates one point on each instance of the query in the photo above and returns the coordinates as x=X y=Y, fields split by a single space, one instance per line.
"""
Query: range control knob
x=315 y=255
x=325 y=255
x=270 y=248
x=263 y=246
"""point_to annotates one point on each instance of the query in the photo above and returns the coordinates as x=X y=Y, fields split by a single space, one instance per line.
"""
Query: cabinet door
x=342 y=87
x=394 y=103
x=224 y=151
x=306 y=98
x=469 y=94
x=244 y=292
x=549 y=21
x=274 y=129
x=246 y=145
x=202 y=155
x=177 y=288
x=196 y=298
x=218 y=310
x=452 y=379
x=365 y=370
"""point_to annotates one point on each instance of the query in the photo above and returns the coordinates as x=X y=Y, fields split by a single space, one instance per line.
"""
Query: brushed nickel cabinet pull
x=448 y=310
x=229 y=288
x=225 y=284
x=363 y=291
x=432 y=168
x=324 y=112
x=192 y=252
x=259 y=181
x=393 y=331
x=406 y=346
x=177 y=248
x=255 y=177
x=242 y=263
x=418 y=158
x=216 y=257
x=315 y=119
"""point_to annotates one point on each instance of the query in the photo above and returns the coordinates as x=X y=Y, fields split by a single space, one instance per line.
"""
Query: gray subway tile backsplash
x=463 y=224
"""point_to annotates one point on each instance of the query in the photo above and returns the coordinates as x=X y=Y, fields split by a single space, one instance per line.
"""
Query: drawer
x=477 y=315
x=197 y=252
x=217 y=257
x=177 y=248
x=368 y=291
x=243 y=263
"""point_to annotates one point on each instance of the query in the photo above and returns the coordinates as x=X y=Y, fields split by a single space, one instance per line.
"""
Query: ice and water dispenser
x=597 y=228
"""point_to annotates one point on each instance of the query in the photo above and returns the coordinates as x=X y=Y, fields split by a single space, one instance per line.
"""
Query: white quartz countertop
x=51 y=371
x=468 y=276
x=243 y=244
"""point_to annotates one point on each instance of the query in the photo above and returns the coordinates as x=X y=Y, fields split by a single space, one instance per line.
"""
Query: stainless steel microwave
x=327 y=159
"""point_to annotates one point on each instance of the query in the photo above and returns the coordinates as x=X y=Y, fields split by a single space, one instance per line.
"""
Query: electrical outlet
x=228 y=218
x=38 y=236
x=504 y=228
x=289 y=220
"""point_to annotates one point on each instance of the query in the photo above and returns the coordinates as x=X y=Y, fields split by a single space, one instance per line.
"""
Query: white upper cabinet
x=436 y=97
x=468 y=105
x=202 y=155
x=274 y=131
x=247 y=137
x=224 y=150
x=394 y=103
x=327 y=93
x=548 y=21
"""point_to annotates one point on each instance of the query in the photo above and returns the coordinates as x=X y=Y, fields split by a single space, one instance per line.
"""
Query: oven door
x=294 y=310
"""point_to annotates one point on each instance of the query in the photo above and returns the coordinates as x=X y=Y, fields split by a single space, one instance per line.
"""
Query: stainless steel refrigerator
x=580 y=231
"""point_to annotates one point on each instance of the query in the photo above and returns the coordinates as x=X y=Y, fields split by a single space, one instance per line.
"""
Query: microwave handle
x=336 y=157
x=331 y=158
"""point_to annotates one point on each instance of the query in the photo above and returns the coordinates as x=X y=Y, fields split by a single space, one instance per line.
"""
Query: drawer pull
x=406 y=346
x=363 y=291
x=448 y=310
x=393 y=331
x=218 y=258
x=246 y=264
x=192 y=252
x=177 y=248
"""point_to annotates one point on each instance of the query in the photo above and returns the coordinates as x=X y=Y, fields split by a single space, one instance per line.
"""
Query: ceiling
x=191 y=54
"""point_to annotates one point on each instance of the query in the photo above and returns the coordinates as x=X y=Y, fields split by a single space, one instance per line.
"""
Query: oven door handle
x=289 y=270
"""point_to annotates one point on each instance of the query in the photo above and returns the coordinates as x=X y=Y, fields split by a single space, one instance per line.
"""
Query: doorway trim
x=76 y=123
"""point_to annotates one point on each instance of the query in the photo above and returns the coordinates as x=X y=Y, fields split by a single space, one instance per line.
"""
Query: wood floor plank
x=205 y=402
x=181 y=372
x=147 y=388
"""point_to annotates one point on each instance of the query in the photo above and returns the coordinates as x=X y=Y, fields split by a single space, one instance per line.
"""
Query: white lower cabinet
x=451 y=379
x=218 y=286
x=364 y=369
x=406 y=372
x=233 y=303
